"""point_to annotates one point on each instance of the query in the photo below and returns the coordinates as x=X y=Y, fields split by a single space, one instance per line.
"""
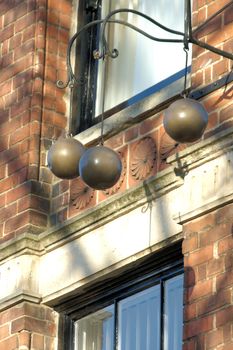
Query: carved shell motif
x=117 y=186
x=143 y=158
x=168 y=147
x=81 y=194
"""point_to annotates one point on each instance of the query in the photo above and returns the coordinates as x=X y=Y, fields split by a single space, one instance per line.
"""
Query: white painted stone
x=19 y=274
x=207 y=186
x=108 y=245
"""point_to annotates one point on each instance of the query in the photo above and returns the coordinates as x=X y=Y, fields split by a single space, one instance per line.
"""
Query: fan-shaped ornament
x=117 y=186
x=63 y=157
x=185 y=120
x=100 y=167
x=143 y=158
x=81 y=194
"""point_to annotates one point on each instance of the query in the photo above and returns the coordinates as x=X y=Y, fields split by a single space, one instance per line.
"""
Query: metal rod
x=186 y=26
x=211 y=48
x=187 y=37
x=195 y=31
x=112 y=13
x=71 y=76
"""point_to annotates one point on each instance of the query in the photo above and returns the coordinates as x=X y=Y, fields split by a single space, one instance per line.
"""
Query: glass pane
x=142 y=62
x=173 y=317
x=139 y=321
x=96 y=331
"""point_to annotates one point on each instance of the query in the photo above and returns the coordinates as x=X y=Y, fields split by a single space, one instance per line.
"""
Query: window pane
x=142 y=62
x=173 y=318
x=96 y=331
x=139 y=321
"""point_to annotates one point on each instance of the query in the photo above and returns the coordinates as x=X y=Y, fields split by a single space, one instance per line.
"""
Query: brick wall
x=208 y=253
x=28 y=326
x=34 y=36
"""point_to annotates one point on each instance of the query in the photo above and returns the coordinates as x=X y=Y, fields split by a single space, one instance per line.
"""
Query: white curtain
x=95 y=332
x=173 y=317
x=141 y=63
x=139 y=321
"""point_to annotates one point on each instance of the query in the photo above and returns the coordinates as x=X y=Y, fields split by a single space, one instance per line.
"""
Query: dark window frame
x=86 y=69
x=138 y=276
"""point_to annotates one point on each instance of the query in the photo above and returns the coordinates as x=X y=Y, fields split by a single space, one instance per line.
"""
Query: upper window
x=142 y=67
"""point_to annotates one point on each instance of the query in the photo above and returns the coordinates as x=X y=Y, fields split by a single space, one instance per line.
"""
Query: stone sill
x=133 y=114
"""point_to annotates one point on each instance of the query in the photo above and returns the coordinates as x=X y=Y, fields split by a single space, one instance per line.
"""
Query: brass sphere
x=100 y=167
x=185 y=120
x=63 y=158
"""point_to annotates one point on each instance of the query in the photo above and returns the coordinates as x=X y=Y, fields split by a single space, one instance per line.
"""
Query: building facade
x=73 y=260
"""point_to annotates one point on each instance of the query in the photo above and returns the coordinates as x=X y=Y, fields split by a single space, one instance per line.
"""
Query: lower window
x=147 y=315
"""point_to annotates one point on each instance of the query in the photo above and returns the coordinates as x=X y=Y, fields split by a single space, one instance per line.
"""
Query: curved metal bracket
x=187 y=37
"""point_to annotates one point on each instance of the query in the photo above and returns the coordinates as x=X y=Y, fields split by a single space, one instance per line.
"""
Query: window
x=142 y=67
x=136 y=308
x=142 y=321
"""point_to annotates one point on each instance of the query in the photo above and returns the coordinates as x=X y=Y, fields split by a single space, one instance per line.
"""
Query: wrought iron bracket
x=92 y=5
x=186 y=37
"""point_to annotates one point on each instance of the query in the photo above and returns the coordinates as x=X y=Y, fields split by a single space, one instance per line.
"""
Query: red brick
x=190 y=345
x=198 y=225
x=214 y=302
x=5 y=88
x=33 y=202
x=226 y=113
x=15 y=222
x=131 y=134
x=219 y=69
x=25 y=22
x=8 y=212
x=224 y=280
x=215 y=234
x=190 y=311
x=18 y=192
x=22 y=78
x=215 y=266
x=224 y=316
x=115 y=141
x=201 y=272
x=9 y=343
x=214 y=338
x=150 y=124
x=38 y=341
x=225 y=245
x=4 y=331
x=220 y=36
x=199 y=256
x=7 y=33
x=198 y=326
x=18 y=164
x=20 y=135
x=190 y=244
x=35 y=325
x=20 y=107
x=201 y=289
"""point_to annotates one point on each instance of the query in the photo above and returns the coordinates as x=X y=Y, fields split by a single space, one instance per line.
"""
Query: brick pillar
x=28 y=326
x=208 y=262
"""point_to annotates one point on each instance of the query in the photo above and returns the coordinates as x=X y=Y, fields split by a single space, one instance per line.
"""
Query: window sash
x=166 y=317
